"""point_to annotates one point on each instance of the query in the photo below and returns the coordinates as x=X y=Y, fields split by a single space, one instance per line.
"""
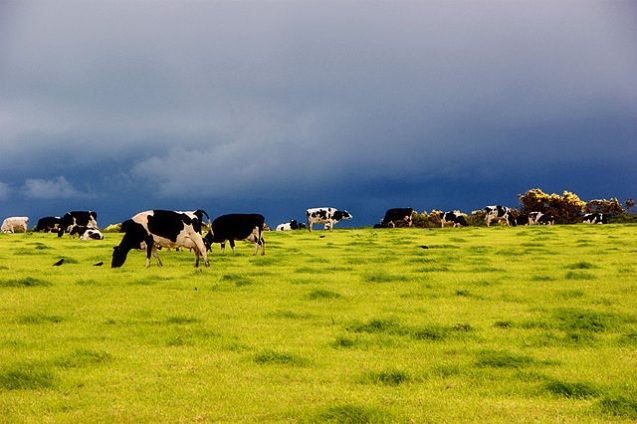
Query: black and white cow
x=48 y=224
x=237 y=226
x=80 y=218
x=327 y=216
x=545 y=219
x=455 y=218
x=86 y=233
x=498 y=213
x=287 y=226
x=595 y=218
x=15 y=224
x=154 y=229
x=397 y=217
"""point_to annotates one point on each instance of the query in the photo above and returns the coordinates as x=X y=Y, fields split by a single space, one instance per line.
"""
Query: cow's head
x=342 y=215
x=119 y=257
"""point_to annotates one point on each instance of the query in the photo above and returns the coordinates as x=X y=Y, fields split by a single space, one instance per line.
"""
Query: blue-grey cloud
x=299 y=102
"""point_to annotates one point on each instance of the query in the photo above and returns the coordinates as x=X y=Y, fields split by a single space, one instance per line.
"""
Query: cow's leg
x=309 y=225
x=231 y=241
x=223 y=246
x=149 y=249
x=156 y=255
x=200 y=249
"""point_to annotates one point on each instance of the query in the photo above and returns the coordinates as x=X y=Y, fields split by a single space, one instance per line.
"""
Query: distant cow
x=237 y=226
x=154 y=229
x=48 y=224
x=327 y=216
x=287 y=226
x=595 y=218
x=545 y=219
x=397 y=217
x=455 y=218
x=79 y=218
x=15 y=224
x=498 y=213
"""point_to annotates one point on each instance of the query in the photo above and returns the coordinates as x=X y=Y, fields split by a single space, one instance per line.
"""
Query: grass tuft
x=391 y=326
x=619 y=406
x=503 y=359
x=82 y=358
x=581 y=265
x=24 y=282
x=182 y=320
x=323 y=294
x=39 y=319
x=279 y=358
x=387 y=378
x=354 y=414
x=26 y=377
x=571 y=390
x=383 y=277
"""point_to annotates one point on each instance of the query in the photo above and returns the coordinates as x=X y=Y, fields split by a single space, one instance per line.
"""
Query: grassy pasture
x=526 y=324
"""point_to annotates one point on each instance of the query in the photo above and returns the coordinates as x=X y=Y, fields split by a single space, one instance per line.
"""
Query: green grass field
x=526 y=324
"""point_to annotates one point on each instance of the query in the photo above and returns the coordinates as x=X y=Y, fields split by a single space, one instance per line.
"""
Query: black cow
x=397 y=217
x=237 y=226
x=455 y=218
x=79 y=218
x=595 y=218
x=151 y=230
x=48 y=224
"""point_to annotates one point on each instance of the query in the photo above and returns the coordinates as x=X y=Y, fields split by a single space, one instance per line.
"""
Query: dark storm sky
x=275 y=107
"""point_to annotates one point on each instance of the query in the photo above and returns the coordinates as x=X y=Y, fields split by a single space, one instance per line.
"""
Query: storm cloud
x=273 y=107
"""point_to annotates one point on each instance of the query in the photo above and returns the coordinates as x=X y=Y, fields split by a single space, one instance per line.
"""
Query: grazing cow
x=327 y=216
x=237 y=226
x=48 y=224
x=154 y=229
x=15 y=224
x=397 y=217
x=544 y=219
x=292 y=225
x=455 y=218
x=595 y=218
x=79 y=218
x=498 y=213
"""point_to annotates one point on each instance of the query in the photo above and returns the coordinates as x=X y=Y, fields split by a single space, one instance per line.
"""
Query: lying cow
x=86 y=233
x=498 y=213
x=455 y=218
x=15 y=224
x=595 y=218
x=71 y=219
x=48 y=224
x=152 y=230
x=237 y=226
x=292 y=225
x=327 y=216
x=394 y=217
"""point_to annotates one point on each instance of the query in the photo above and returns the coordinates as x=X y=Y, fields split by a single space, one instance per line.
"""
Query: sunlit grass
x=526 y=324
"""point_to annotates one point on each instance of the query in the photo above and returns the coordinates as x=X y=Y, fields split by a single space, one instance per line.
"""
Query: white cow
x=15 y=224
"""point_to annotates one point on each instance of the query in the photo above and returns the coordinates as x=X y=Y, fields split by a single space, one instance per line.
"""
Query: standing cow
x=455 y=218
x=237 y=226
x=499 y=213
x=397 y=217
x=595 y=218
x=327 y=216
x=48 y=224
x=15 y=224
x=154 y=229
x=77 y=218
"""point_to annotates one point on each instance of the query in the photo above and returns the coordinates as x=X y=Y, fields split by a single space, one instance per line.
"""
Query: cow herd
x=153 y=230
